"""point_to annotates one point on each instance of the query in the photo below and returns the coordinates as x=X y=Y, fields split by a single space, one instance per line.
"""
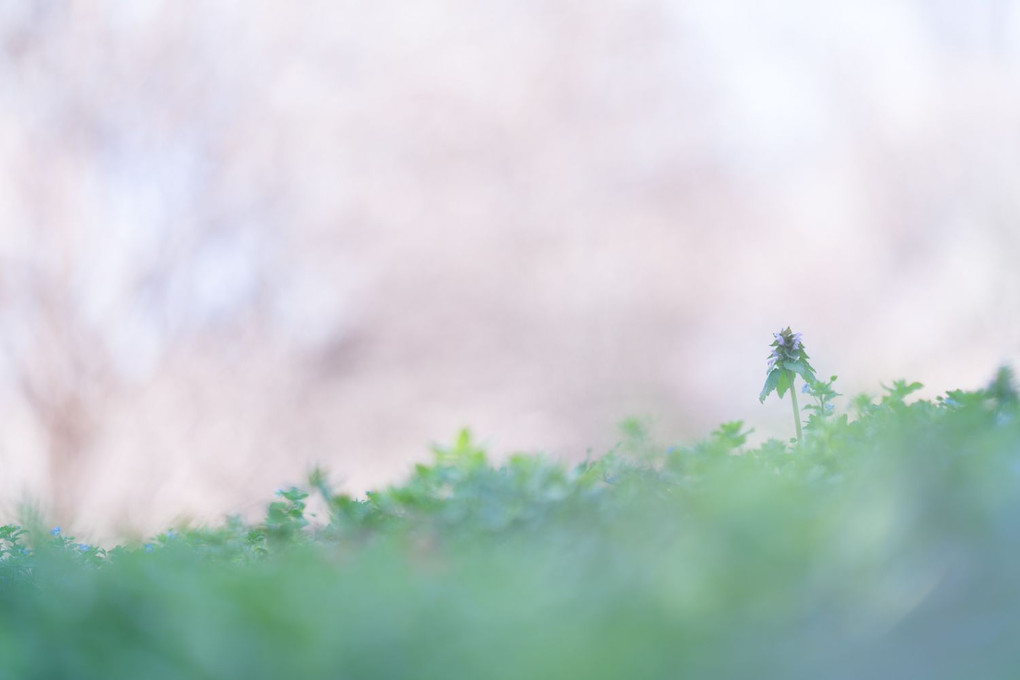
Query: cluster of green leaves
x=787 y=359
x=885 y=545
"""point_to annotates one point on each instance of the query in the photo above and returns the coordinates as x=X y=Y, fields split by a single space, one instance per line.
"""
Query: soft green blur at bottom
x=887 y=547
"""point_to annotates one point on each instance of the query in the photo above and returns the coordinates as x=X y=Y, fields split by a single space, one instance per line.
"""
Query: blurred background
x=238 y=239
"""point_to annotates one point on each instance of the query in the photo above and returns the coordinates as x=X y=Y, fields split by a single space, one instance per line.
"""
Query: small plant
x=286 y=517
x=823 y=394
x=787 y=360
x=1002 y=389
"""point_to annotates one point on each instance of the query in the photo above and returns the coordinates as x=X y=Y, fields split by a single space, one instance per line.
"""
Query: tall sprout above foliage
x=787 y=360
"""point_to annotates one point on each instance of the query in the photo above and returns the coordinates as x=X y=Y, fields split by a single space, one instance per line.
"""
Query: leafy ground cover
x=883 y=543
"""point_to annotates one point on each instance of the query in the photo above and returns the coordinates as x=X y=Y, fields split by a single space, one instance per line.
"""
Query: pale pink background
x=237 y=239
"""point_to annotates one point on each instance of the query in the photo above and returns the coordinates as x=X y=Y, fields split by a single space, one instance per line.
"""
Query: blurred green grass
x=886 y=545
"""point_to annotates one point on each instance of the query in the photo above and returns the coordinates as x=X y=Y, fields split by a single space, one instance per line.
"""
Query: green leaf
x=784 y=383
x=802 y=368
x=899 y=391
x=770 y=384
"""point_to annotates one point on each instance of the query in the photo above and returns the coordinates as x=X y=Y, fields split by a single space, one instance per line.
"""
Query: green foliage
x=823 y=407
x=883 y=546
x=787 y=359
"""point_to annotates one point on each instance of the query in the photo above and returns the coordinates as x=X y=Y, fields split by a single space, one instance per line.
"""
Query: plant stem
x=793 y=397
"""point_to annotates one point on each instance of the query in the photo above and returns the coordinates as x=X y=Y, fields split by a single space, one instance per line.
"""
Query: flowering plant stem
x=793 y=398
x=787 y=360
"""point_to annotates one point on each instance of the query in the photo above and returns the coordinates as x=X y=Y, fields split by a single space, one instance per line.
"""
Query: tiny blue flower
x=806 y=389
x=171 y=534
x=84 y=547
x=55 y=531
x=148 y=548
x=24 y=551
x=829 y=408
